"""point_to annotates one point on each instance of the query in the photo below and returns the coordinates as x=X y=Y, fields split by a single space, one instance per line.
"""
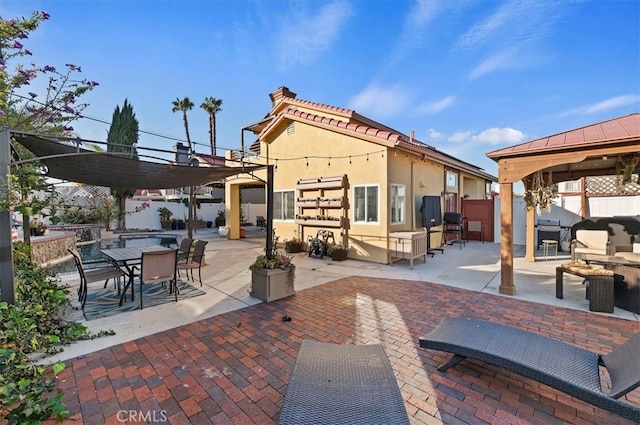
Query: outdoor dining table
x=128 y=258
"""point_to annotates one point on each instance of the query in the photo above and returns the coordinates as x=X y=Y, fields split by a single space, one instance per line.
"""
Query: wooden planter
x=272 y=284
x=166 y=224
x=293 y=247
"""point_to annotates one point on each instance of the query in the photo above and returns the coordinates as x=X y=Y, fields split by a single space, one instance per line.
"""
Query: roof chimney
x=281 y=93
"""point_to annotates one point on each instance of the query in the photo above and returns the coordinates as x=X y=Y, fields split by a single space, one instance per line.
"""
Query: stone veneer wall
x=53 y=248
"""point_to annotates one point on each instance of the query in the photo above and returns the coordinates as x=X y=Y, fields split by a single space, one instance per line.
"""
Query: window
x=283 y=205
x=366 y=204
x=398 y=202
x=452 y=179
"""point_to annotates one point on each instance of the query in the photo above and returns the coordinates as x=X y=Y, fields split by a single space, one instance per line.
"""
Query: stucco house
x=337 y=170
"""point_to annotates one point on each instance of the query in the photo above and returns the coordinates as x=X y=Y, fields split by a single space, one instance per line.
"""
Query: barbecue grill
x=548 y=229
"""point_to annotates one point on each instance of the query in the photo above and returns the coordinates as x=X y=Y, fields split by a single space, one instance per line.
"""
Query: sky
x=466 y=76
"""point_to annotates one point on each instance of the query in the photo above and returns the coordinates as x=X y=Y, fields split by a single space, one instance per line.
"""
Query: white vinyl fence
x=149 y=218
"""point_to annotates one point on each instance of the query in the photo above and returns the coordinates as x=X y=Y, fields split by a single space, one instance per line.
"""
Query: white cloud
x=303 y=38
x=498 y=136
x=612 y=103
x=604 y=105
x=505 y=59
x=433 y=134
x=460 y=136
x=436 y=106
x=381 y=101
x=479 y=33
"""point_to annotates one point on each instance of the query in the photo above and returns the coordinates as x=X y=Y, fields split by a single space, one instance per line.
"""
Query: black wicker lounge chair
x=563 y=366
x=335 y=384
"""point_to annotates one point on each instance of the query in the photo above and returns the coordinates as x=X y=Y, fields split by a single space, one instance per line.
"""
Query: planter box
x=330 y=204
x=339 y=255
x=320 y=223
x=272 y=284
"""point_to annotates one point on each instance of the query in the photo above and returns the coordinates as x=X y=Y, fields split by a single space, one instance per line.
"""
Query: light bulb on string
x=329 y=163
x=276 y=167
x=349 y=159
x=307 y=159
x=367 y=157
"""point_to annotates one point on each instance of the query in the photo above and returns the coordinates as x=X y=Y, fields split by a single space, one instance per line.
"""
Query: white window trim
x=372 y=223
x=288 y=220
x=404 y=204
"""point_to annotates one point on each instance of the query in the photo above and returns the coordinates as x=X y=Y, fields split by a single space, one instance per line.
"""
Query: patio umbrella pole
x=269 y=245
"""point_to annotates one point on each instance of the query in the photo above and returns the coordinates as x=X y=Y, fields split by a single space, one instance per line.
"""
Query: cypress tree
x=123 y=138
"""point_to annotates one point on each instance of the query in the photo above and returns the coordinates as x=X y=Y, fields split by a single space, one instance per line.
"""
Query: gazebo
x=599 y=149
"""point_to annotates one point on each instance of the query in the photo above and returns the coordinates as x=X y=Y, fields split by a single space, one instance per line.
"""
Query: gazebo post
x=507 y=286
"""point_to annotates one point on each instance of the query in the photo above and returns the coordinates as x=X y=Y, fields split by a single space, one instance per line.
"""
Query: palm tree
x=184 y=105
x=212 y=106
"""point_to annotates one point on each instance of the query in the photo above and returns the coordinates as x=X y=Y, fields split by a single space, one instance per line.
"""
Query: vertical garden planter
x=272 y=284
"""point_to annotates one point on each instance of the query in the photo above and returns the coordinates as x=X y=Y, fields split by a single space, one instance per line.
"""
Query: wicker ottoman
x=599 y=281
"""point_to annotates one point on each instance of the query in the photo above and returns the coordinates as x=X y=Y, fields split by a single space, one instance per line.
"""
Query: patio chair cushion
x=590 y=242
x=562 y=366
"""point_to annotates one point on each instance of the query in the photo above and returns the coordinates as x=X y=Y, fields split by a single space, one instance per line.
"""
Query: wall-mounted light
x=605 y=157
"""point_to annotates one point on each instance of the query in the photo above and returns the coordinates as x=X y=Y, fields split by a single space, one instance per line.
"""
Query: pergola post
x=7 y=291
x=507 y=286
x=530 y=246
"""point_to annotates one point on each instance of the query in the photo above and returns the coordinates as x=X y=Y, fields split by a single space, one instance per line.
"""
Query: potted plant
x=165 y=218
x=272 y=275
x=220 y=219
x=337 y=252
x=293 y=245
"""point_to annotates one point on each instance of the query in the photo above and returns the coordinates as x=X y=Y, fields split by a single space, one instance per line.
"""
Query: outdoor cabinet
x=408 y=245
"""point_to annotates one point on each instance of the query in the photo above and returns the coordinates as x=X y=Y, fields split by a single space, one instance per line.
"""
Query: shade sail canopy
x=79 y=165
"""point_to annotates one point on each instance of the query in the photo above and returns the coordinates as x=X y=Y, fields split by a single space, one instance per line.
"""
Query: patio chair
x=260 y=221
x=589 y=242
x=563 y=366
x=336 y=384
x=103 y=271
x=184 y=248
x=159 y=267
x=474 y=226
x=194 y=261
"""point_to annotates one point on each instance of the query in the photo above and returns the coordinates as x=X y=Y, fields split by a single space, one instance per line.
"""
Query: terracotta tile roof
x=621 y=129
x=385 y=136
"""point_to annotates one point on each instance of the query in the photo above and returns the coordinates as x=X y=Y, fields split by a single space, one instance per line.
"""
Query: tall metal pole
x=7 y=291
x=269 y=246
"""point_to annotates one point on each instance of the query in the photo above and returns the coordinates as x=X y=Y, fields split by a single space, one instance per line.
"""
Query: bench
x=599 y=280
x=342 y=384
x=565 y=367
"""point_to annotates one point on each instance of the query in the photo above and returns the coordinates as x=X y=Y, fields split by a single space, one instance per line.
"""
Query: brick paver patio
x=234 y=368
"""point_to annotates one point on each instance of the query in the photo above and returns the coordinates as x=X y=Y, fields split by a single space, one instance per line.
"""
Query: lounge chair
x=562 y=366
x=336 y=384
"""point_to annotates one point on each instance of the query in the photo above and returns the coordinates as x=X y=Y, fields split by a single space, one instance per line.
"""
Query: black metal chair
x=194 y=261
x=185 y=248
x=452 y=225
x=103 y=271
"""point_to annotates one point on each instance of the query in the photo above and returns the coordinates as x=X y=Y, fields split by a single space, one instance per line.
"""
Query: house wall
x=303 y=151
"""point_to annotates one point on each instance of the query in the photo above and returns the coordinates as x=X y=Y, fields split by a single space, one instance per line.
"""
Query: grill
x=548 y=229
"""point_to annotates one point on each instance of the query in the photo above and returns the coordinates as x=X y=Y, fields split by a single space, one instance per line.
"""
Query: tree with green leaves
x=123 y=138
x=212 y=106
x=184 y=105
x=50 y=112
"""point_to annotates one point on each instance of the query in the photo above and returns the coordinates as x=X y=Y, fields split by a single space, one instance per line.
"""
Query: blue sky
x=466 y=76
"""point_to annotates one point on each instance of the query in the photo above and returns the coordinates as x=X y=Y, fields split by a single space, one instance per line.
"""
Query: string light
x=307 y=159
x=349 y=159
x=276 y=164
x=367 y=157
x=329 y=163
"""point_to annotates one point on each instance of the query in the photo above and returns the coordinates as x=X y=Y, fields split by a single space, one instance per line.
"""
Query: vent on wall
x=572 y=186
x=291 y=128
